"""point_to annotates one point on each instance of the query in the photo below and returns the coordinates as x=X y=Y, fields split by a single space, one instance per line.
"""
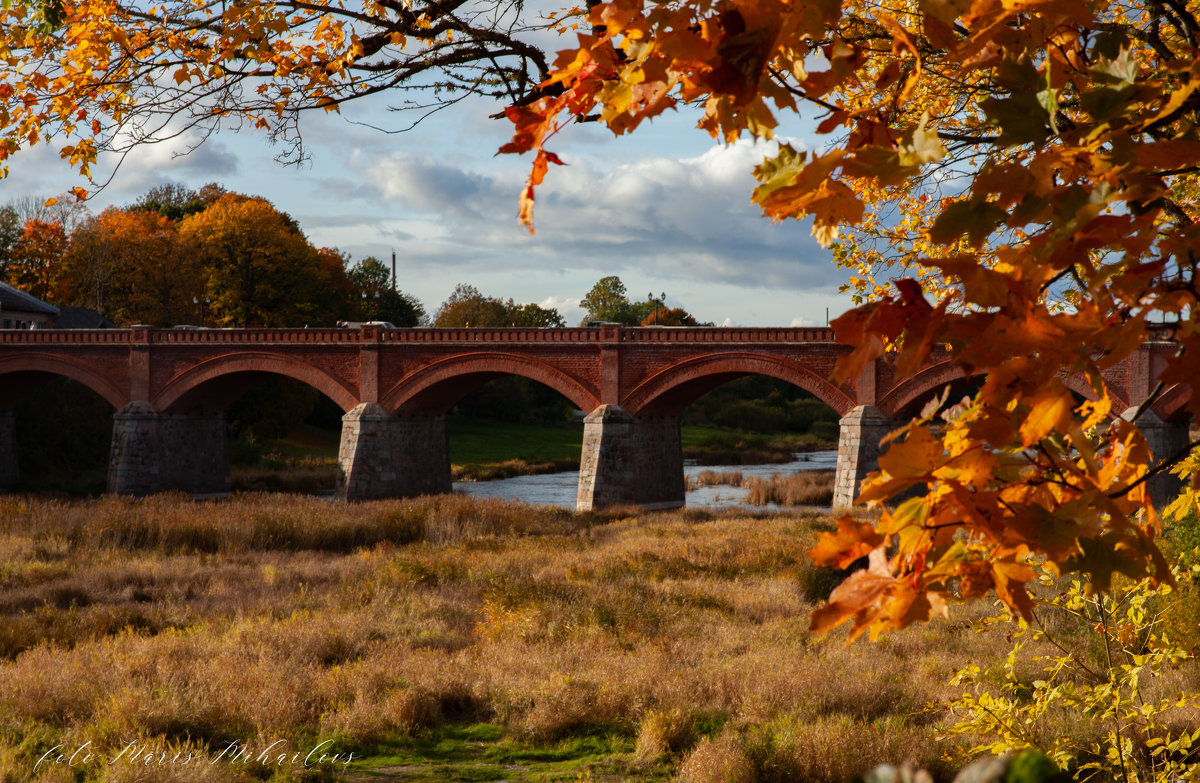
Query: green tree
x=534 y=315
x=467 y=307
x=171 y=201
x=608 y=301
x=378 y=301
x=10 y=232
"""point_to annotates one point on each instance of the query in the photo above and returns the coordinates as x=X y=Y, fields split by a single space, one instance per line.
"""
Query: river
x=559 y=489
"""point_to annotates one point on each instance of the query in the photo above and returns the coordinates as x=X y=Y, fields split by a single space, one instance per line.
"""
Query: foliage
x=670 y=316
x=35 y=260
x=372 y=289
x=467 y=307
x=1109 y=669
x=261 y=271
x=1033 y=167
x=177 y=202
x=608 y=301
x=758 y=403
x=132 y=266
x=10 y=233
x=108 y=76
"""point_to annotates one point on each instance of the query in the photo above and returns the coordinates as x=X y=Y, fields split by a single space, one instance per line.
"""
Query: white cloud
x=680 y=219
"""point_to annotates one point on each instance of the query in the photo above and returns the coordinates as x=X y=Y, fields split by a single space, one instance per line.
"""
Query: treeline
x=204 y=257
x=210 y=257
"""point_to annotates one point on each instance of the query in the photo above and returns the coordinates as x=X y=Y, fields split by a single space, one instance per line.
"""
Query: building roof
x=14 y=300
x=81 y=318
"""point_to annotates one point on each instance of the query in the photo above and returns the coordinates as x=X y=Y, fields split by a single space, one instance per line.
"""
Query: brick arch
x=670 y=390
x=1172 y=403
x=935 y=376
x=437 y=386
x=67 y=368
x=921 y=384
x=187 y=385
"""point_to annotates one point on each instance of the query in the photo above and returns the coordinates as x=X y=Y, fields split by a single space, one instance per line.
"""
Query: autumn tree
x=36 y=262
x=467 y=307
x=670 y=316
x=260 y=269
x=1032 y=170
x=377 y=300
x=132 y=267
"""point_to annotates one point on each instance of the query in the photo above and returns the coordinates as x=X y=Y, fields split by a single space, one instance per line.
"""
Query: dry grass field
x=442 y=639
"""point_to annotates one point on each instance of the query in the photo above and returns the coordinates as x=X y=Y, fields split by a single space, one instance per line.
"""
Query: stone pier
x=155 y=452
x=862 y=431
x=9 y=472
x=630 y=460
x=1165 y=438
x=386 y=456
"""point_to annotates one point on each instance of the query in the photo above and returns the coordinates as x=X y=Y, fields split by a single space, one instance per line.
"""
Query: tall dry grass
x=804 y=488
x=188 y=625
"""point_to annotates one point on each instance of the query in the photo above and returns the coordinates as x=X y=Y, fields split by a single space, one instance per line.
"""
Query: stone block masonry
x=9 y=472
x=862 y=430
x=155 y=452
x=1165 y=439
x=387 y=456
x=630 y=460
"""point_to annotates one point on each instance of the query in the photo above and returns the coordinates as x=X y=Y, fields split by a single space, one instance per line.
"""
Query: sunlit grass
x=445 y=639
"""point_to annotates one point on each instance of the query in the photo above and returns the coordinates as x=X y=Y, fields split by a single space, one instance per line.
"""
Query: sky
x=667 y=209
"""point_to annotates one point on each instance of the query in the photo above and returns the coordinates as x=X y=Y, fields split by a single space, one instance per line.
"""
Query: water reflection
x=558 y=489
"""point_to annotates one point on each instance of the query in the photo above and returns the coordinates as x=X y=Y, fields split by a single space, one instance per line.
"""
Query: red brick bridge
x=170 y=389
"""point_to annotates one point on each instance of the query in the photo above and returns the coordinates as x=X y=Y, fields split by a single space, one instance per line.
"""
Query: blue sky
x=667 y=209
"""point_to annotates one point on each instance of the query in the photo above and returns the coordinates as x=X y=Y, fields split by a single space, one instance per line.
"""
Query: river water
x=559 y=489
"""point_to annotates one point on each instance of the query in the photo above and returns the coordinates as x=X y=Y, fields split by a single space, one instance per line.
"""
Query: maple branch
x=783 y=82
x=1159 y=468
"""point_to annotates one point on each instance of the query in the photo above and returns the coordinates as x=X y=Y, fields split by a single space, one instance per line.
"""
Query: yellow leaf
x=1049 y=410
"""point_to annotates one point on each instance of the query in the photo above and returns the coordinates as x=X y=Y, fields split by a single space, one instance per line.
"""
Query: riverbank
x=446 y=639
x=306 y=461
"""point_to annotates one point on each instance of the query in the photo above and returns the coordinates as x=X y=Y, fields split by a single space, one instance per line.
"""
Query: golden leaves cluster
x=1029 y=169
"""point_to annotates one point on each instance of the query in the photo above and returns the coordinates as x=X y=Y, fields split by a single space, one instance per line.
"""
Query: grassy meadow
x=442 y=639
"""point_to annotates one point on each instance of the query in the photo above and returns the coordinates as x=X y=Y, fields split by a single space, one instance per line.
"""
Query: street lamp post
x=200 y=303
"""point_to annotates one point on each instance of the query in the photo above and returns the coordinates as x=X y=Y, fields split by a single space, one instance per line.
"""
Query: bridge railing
x=371 y=334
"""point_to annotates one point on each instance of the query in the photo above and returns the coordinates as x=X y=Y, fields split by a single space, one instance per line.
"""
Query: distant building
x=81 y=318
x=19 y=310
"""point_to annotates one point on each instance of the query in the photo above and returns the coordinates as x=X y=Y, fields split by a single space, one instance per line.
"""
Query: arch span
x=914 y=387
x=186 y=386
x=936 y=376
x=48 y=363
x=670 y=390
x=436 y=387
x=1173 y=402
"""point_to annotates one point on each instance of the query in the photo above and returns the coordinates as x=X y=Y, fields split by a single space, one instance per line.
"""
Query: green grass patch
x=485 y=751
x=480 y=441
